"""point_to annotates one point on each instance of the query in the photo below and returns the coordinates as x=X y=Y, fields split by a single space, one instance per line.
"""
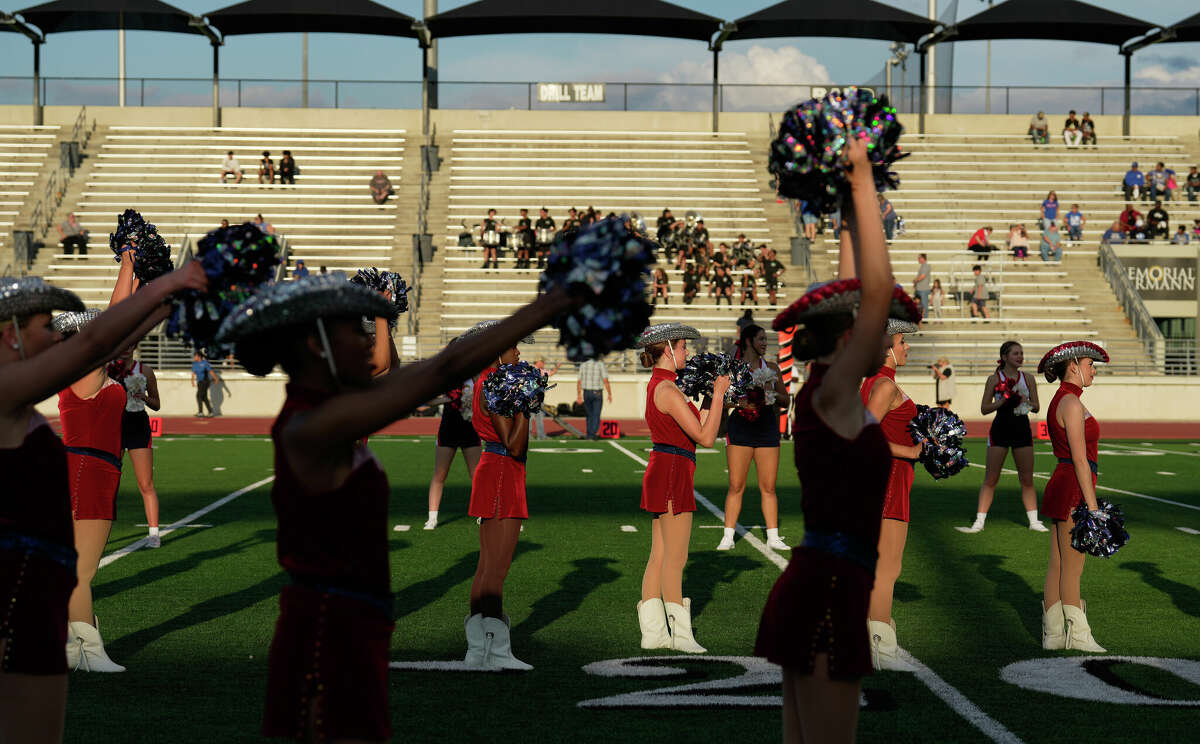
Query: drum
x=491 y=238
x=545 y=235
x=519 y=240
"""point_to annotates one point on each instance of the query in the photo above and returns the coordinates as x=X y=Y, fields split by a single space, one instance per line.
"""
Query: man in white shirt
x=231 y=167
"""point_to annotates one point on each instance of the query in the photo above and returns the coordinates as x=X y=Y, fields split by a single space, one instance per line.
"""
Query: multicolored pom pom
x=612 y=264
x=385 y=281
x=696 y=378
x=515 y=388
x=807 y=156
x=151 y=254
x=1100 y=533
x=940 y=433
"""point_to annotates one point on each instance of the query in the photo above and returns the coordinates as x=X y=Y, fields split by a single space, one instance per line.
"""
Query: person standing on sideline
x=202 y=375
x=923 y=283
x=539 y=417
x=593 y=378
x=944 y=384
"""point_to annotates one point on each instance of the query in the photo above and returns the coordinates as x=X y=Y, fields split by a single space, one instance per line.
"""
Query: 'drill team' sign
x=571 y=92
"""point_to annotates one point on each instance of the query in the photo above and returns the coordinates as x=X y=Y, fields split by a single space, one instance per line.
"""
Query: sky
x=579 y=58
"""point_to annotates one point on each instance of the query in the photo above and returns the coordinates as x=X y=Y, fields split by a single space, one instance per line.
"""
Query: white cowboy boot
x=1079 y=633
x=885 y=650
x=92 y=655
x=1054 y=632
x=475 y=654
x=652 y=617
x=498 y=646
x=74 y=649
x=680 y=618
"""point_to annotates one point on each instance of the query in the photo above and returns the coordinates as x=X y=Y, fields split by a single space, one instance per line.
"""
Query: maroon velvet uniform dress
x=895 y=428
x=92 y=433
x=819 y=605
x=1062 y=492
x=37 y=553
x=498 y=484
x=329 y=657
x=669 y=476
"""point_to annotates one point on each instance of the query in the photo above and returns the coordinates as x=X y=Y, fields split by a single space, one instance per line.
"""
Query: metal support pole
x=931 y=71
x=216 y=104
x=716 y=104
x=924 y=94
x=37 y=83
x=121 y=62
x=304 y=70
x=1125 y=119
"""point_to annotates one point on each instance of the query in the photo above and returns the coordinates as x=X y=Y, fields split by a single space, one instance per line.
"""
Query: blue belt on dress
x=1091 y=464
x=843 y=545
x=17 y=542
x=670 y=449
x=383 y=603
x=499 y=449
x=99 y=454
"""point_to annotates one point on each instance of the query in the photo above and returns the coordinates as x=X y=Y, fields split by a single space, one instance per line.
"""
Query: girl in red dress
x=813 y=621
x=327 y=674
x=37 y=544
x=1075 y=436
x=676 y=427
x=893 y=409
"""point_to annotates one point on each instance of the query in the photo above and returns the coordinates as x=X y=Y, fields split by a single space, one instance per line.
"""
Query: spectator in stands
x=979 y=295
x=661 y=288
x=1018 y=241
x=1156 y=182
x=1196 y=229
x=589 y=217
x=1181 y=236
x=263 y=225
x=979 y=242
x=1114 y=234
x=231 y=167
x=1071 y=134
x=591 y=382
x=381 y=187
x=1074 y=221
x=1129 y=219
x=544 y=222
x=301 y=270
x=1134 y=182
x=489 y=237
x=720 y=257
x=747 y=319
x=1049 y=210
x=721 y=285
x=772 y=273
x=700 y=236
x=266 y=168
x=810 y=220
x=1051 y=244
x=73 y=236
x=749 y=284
x=1087 y=128
x=323 y=269
x=888 y=213
x=742 y=250
x=923 y=282
x=937 y=296
x=572 y=220
x=1039 y=129
x=691 y=283
x=1193 y=184
x=224 y=223
x=287 y=168
x=666 y=223
x=1158 y=222
x=944 y=382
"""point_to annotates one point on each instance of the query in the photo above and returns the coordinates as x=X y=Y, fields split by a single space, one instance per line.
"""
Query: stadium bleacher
x=23 y=153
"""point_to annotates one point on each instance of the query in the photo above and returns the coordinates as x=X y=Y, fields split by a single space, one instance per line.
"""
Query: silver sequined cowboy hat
x=303 y=300
x=895 y=325
x=1071 y=350
x=23 y=296
x=666 y=332
x=483 y=325
x=73 y=322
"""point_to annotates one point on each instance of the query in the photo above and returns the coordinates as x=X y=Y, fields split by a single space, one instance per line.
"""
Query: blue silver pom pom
x=612 y=264
x=515 y=388
x=151 y=254
x=237 y=260
x=1100 y=533
x=381 y=281
x=808 y=155
x=696 y=378
x=940 y=433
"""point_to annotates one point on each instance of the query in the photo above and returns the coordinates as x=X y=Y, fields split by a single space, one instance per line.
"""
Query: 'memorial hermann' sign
x=571 y=92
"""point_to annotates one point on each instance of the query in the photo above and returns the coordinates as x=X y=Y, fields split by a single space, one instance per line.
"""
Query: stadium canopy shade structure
x=860 y=19
x=634 y=17
x=1061 y=20
x=317 y=16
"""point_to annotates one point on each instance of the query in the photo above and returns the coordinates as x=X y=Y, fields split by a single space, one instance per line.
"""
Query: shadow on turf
x=588 y=575
x=708 y=568
x=1013 y=590
x=176 y=567
x=1185 y=597
x=906 y=592
x=416 y=596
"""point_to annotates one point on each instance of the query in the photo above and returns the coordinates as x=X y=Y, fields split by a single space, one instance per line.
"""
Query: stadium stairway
x=171 y=175
x=27 y=156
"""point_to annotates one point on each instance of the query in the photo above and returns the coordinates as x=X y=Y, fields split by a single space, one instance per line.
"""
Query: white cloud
x=780 y=68
x=1164 y=75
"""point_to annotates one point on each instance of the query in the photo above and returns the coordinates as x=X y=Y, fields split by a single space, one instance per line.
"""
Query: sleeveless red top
x=339 y=537
x=96 y=422
x=37 y=501
x=663 y=428
x=480 y=418
x=1058 y=433
x=895 y=422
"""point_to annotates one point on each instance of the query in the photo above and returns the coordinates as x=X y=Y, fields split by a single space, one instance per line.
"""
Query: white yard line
x=958 y=702
x=185 y=522
x=1158 y=450
x=1110 y=489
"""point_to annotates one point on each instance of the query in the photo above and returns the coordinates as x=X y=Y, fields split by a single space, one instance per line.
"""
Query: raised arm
x=381 y=354
x=124 y=286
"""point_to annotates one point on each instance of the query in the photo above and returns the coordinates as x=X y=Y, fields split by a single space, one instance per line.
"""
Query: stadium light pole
x=1127 y=50
x=923 y=46
x=428 y=73
x=201 y=24
x=727 y=28
x=8 y=19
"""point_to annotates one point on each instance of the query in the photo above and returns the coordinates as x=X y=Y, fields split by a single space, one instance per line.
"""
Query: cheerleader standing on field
x=753 y=436
x=455 y=432
x=893 y=409
x=676 y=427
x=1013 y=395
x=141 y=392
x=1075 y=436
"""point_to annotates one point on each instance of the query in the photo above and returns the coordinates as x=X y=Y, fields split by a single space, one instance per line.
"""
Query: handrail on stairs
x=1131 y=302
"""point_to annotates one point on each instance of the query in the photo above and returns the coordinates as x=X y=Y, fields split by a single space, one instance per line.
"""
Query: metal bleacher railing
x=41 y=218
x=1131 y=302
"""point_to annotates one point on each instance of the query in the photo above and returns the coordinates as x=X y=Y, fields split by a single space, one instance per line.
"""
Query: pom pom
x=1100 y=533
x=515 y=388
x=610 y=264
x=940 y=433
x=460 y=399
x=129 y=223
x=702 y=370
x=151 y=254
x=237 y=260
x=808 y=158
x=385 y=281
x=765 y=377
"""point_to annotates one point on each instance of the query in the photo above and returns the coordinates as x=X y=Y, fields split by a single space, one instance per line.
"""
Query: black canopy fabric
x=104 y=15
x=1188 y=29
x=1062 y=20
x=294 y=16
x=635 y=17
x=861 y=19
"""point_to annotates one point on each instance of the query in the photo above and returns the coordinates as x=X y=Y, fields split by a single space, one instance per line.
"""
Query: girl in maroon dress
x=328 y=662
x=1075 y=436
x=813 y=621
x=893 y=409
x=676 y=427
x=37 y=544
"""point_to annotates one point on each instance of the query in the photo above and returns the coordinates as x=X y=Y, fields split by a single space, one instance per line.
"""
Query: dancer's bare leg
x=91 y=535
x=32 y=706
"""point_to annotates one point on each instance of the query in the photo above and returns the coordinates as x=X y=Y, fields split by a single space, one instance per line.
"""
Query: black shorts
x=135 y=430
x=763 y=431
x=454 y=432
x=1009 y=430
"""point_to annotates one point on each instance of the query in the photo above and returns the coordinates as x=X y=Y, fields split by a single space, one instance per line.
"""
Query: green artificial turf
x=193 y=620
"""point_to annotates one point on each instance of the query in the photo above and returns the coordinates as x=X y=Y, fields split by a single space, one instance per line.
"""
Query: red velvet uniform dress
x=498 y=485
x=669 y=476
x=895 y=428
x=819 y=605
x=92 y=434
x=37 y=553
x=1062 y=492
x=333 y=637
